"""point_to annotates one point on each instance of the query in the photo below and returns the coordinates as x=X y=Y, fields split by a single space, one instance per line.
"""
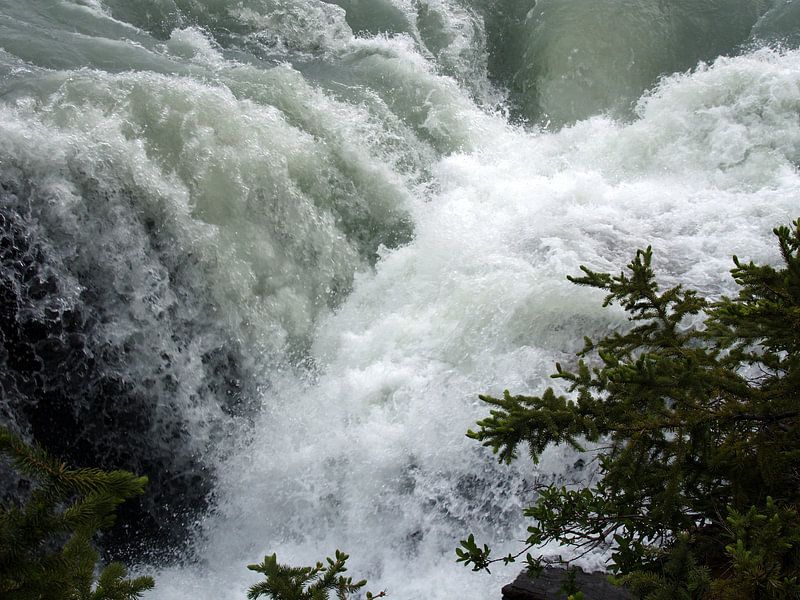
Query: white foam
x=371 y=457
x=268 y=198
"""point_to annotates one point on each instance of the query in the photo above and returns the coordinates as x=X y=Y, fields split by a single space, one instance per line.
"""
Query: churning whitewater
x=268 y=252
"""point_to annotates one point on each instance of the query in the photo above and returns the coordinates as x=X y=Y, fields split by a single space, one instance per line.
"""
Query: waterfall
x=268 y=252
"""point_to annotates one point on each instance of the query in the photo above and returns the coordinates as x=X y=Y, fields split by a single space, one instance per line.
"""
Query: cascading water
x=268 y=252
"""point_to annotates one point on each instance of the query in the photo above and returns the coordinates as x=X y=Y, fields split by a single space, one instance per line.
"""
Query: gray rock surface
x=594 y=586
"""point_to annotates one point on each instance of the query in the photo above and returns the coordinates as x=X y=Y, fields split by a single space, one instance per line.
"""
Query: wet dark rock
x=595 y=586
x=66 y=387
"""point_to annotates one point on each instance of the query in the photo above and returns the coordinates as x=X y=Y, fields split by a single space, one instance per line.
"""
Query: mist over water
x=268 y=252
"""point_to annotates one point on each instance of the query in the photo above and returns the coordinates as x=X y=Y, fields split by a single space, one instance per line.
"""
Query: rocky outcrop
x=595 y=586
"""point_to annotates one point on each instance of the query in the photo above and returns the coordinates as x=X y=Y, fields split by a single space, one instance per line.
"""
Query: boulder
x=595 y=586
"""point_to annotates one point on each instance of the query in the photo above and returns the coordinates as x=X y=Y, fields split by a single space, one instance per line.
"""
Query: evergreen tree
x=696 y=433
x=46 y=550
x=306 y=583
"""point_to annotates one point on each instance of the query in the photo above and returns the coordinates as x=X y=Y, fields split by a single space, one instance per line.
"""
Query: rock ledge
x=594 y=586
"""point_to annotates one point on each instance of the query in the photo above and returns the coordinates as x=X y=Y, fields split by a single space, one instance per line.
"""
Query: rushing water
x=269 y=251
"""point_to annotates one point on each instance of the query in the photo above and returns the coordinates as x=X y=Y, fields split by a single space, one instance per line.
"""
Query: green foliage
x=46 y=550
x=695 y=430
x=306 y=583
x=570 y=586
x=762 y=543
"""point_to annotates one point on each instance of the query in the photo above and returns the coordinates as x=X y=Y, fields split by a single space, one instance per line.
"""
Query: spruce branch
x=283 y=582
x=46 y=544
x=684 y=432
